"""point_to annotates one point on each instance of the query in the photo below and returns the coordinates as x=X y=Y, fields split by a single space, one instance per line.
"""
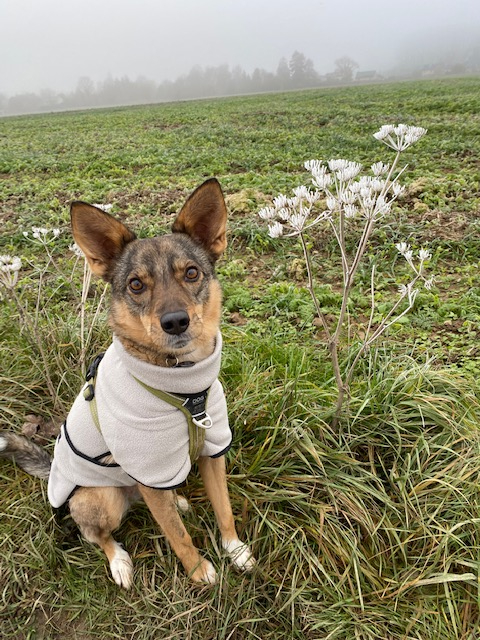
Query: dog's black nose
x=175 y=322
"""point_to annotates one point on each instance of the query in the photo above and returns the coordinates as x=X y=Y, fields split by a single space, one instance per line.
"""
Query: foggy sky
x=52 y=43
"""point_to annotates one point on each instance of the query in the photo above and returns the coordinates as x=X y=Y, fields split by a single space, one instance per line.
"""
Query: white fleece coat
x=147 y=437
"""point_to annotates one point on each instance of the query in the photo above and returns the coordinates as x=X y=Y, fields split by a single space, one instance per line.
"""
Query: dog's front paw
x=240 y=554
x=204 y=572
x=121 y=567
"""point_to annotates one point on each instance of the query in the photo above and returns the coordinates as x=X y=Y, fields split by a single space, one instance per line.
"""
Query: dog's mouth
x=178 y=343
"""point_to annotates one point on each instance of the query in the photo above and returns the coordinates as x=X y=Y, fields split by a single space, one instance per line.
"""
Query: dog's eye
x=192 y=274
x=136 y=285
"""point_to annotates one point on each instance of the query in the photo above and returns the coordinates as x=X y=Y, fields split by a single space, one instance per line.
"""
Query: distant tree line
x=200 y=82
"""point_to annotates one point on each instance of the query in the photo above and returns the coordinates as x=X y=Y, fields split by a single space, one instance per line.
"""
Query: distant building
x=367 y=76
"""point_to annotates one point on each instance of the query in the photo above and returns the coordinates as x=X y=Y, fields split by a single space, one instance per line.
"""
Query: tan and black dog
x=153 y=404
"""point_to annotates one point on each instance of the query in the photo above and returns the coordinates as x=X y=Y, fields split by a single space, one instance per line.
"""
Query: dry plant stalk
x=341 y=194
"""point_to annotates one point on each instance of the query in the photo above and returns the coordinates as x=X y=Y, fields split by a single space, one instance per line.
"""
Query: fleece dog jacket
x=147 y=437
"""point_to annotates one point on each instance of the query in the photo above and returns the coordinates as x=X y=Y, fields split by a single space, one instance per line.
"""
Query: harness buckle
x=89 y=392
x=92 y=369
x=205 y=422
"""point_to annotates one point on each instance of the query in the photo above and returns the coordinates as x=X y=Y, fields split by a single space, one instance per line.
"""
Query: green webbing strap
x=89 y=395
x=196 y=434
x=89 y=390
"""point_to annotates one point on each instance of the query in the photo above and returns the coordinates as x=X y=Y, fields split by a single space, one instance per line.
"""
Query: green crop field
x=367 y=528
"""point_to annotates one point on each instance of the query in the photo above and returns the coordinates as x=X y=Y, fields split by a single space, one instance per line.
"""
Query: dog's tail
x=28 y=455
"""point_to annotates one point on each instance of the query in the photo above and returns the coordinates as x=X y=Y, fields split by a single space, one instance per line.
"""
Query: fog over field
x=52 y=43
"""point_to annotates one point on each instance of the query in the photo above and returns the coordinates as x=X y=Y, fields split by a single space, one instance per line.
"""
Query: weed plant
x=364 y=532
x=343 y=196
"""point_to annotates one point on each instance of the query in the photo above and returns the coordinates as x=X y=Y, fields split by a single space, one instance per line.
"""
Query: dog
x=152 y=405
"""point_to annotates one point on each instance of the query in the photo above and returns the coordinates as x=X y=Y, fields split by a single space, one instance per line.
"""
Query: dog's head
x=166 y=300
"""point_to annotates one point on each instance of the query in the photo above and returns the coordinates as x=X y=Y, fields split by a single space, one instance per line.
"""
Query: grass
x=368 y=532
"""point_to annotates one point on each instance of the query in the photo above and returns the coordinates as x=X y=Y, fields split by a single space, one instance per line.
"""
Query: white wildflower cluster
x=76 y=250
x=399 y=137
x=104 y=207
x=348 y=193
x=417 y=263
x=9 y=268
x=291 y=214
x=342 y=190
x=41 y=235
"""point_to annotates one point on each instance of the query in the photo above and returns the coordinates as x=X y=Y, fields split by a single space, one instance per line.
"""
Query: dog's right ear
x=101 y=237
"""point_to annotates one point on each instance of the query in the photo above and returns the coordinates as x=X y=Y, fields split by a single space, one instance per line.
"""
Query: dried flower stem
x=36 y=343
x=345 y=197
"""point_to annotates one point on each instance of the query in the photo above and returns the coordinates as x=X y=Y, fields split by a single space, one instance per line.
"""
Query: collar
x=176 y=364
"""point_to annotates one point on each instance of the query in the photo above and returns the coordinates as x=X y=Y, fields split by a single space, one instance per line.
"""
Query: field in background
x=368 y=532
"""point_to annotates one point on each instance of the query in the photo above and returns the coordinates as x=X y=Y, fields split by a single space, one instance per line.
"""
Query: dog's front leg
x=163 y=508
x=214 y=477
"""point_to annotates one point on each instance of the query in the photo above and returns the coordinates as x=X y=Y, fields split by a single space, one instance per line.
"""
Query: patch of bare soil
x=443 y=225
x=165 y=202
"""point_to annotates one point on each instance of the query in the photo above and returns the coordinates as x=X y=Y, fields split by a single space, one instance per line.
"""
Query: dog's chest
x=147 y=437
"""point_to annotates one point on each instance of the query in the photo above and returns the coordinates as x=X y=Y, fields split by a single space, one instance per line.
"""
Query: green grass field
x=369 y=531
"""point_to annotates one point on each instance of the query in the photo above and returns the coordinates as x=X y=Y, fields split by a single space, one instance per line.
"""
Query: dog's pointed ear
x=100 y=236
x=204 y=218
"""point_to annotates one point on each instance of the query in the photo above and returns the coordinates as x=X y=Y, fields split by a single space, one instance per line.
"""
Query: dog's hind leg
x=214 y=477
x=98 y=511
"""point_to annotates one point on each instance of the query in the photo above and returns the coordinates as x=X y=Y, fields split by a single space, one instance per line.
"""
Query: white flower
x=76 y=250
x=429 y=283
x=314 y=166
x=297 y=221
x=397 y=189
x=377 y=184
x=384 y=131
x=284 y=214
x=379 y=168
x=9 y=268
x=41 y=234
x=350 y=171
x=104 y=207
x=10 y=263
x=350 y=210
x=408 y=255
x=322 y=180
x=312 y=196
x=355 y=187
x=267 y=213
x=368 y=208
x=402 y=247
x=424 y=254
x=382 y=207
x=402 y=290
x=332 y=203
x=275 y=230
x=280 y=201
x=412 y=137
x=292 y=202
x=301 y=192
x=399 y=137
x=347 y=196
x=338 y=165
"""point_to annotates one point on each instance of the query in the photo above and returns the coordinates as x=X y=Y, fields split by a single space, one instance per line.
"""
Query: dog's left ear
x=204 y=218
